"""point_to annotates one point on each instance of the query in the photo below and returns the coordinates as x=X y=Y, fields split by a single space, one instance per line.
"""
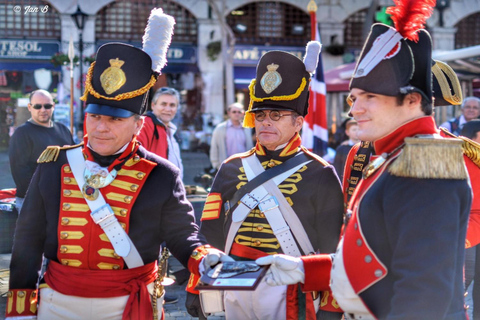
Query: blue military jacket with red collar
x=404 y=247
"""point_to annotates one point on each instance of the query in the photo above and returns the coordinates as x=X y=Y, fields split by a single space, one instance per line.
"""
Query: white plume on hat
x=157 y=37
x=311 y=55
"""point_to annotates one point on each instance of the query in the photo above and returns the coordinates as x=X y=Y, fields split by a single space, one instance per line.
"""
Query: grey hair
x=471 y=98
x=166 y=90
x=235 y=105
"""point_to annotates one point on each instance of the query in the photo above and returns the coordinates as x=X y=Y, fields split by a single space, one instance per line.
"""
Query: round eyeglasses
x=275 y=115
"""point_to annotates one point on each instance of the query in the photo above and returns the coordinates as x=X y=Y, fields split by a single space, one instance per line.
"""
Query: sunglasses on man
x=38 y=106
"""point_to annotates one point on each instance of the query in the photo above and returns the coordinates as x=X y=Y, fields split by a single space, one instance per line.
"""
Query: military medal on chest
x=96 y=177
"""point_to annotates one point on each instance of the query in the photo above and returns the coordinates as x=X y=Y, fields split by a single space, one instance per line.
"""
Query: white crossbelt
x=269 y=205
x=102 y=214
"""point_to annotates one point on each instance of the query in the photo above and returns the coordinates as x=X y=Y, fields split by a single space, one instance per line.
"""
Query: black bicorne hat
x=446 y=86
x=403 y=68
x=398 y=60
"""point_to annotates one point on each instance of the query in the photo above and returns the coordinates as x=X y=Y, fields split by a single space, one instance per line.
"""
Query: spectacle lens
x=275 y=115
x=39 y=106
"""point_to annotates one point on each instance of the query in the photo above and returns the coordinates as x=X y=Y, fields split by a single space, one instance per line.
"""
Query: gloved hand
x=283 y=270
x=213 y=257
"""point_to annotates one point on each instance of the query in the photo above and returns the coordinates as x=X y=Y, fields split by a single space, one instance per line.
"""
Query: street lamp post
x=79 y=18
x=441 y=6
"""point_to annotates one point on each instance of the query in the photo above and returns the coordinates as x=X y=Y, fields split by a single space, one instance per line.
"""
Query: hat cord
x=126 y=95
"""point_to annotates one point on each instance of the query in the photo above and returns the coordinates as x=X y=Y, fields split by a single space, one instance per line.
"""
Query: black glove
x=192 y=303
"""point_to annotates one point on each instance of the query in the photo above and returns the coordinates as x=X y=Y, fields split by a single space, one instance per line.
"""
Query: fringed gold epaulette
x=315 y=156
x=470 y=148
x=51 y=153
x=430 y=158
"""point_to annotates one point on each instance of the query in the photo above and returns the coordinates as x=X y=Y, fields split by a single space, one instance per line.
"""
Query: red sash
x=107 y=284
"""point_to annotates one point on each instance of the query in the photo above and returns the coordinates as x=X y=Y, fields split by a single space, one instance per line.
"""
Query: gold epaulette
x=51 y=153
x=315 y=156
x=470 y=148
x=430 y=158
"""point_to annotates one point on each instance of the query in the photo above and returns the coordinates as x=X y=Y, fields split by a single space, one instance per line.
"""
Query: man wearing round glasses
x=297 y=208
x=31 y=138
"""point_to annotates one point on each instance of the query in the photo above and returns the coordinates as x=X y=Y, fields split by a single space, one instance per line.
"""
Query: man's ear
x=139 y=123
x=413 y=99
x=299 y=123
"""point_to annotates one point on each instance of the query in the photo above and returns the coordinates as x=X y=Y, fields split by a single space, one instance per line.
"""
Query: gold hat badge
x=113 y=78
x=271 y=79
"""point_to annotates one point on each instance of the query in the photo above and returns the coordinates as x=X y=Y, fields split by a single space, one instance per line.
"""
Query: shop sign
x=28 y=49
x=176 y=53
x=182 y=54
x=249 y=55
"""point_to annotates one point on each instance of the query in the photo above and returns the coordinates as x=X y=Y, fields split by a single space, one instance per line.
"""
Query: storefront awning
x=242 y=76
x=338 y=79
x=27 y=66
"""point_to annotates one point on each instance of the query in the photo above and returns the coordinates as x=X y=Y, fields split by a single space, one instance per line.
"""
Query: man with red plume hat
x=99 y=211
x=402 y=251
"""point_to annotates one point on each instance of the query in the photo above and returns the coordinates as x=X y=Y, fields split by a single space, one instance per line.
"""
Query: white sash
x=102 y=214
x=275 y=207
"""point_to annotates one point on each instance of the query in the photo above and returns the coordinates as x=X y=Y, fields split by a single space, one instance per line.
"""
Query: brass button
x=351 y=166
x=116 y=267
x=67 y=169
x=63 y=235
x=123 y=212
x=134 y=187
x=115 y=255
x=21 y=294
x=262 y=215
x=257 y=242
x=67 y=193
x=195 y=253
x=34 y=294
x=136 y=158
x=65 y=221
x=271 y=164
x=140 y=175
x=128 y=199
x=67 y=180
x=63 y=249
x=66 y=206
x=9 y=294
x=260 y=228
x=65 y=262
x=355 y=157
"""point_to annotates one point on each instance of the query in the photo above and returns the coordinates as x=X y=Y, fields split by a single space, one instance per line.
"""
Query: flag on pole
x=315 y=133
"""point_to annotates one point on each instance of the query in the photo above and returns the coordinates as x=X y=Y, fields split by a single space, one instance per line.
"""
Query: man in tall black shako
x=295 y=209
x=100 y=210
x=401 y=256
